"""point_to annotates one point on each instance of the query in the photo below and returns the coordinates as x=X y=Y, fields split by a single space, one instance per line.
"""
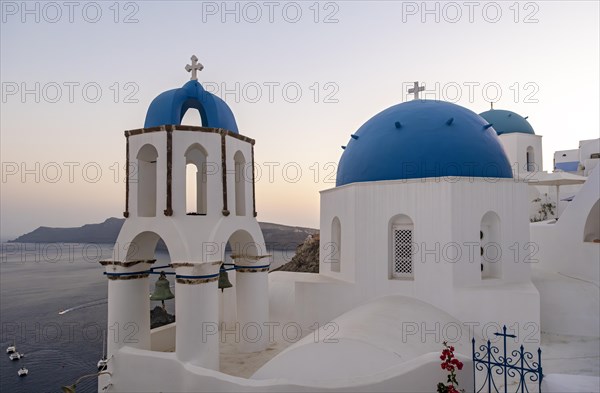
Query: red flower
x=449 y=363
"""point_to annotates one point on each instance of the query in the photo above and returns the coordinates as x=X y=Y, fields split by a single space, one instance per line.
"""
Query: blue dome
x=507 y=122
x=170 y=107
x=423 y=138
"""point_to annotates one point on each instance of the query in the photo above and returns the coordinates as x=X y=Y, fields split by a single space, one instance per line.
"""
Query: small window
x=530 y=159
x=402 y=251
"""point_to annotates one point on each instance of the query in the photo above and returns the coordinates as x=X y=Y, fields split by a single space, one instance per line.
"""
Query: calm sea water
x=53 y=306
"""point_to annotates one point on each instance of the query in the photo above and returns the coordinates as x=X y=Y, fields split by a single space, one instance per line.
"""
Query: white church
x=425 y=238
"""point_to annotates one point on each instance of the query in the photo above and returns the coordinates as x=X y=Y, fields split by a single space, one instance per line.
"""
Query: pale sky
x=542 y=57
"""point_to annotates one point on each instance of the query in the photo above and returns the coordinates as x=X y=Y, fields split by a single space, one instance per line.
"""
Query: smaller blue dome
x=507 y=122
x=168 y=108
x=420 y=139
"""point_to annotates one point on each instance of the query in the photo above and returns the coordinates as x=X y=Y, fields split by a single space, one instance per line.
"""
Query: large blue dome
x=507 y=122
x=169 y=107
x=423 y=138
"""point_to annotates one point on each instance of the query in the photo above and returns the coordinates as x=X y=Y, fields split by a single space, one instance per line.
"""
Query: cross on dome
x=194 y=68
x=415 y=90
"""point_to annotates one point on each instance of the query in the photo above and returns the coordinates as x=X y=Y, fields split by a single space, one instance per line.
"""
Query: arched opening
x=336 y=245
x=196 y=192
x=530 y=159
x=192 y=117
x=240 y=184
x=147 y=246
x=490 y=248
x=241 y=244
x=146 y=182
x=591 y=232
x=401 y=249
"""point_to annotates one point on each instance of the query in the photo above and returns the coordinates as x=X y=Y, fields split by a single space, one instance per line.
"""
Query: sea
x=53 y=308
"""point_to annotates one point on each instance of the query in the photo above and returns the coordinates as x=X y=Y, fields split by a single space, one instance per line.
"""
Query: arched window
x=146 y=182
x=490 y=246
x=195 y=180
x=240 y=184
x=530 y=159
x=591 y=232
x=336 y=245
x=401 y=235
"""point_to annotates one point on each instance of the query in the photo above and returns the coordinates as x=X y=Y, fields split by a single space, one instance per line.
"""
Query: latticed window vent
x=402 y=250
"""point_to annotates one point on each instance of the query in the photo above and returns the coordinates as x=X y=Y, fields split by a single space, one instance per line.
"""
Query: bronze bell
x=162 y=290
x=224 y=279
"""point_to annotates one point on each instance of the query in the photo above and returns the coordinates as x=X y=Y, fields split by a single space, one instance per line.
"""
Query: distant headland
x=276 y=236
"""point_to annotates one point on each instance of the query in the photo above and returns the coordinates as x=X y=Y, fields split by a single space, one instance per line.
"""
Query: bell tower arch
x=156 y=207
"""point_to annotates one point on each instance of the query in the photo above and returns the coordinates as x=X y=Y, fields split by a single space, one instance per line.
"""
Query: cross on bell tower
x=194 y=68
x=415 y=90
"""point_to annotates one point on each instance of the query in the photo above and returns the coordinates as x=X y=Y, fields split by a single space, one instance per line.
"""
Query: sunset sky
x=300 y=77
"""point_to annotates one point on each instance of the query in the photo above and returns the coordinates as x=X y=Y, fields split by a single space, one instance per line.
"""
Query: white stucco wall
x=447 y=218
x=569 y=275
x=375 y=336
x=588 y=147
x=373 y=353
x=516 y=144
x=561 y=245
x=419 y=376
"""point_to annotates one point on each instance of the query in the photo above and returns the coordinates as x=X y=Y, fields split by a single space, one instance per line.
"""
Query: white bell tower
x=522 y=146
x=155 y=208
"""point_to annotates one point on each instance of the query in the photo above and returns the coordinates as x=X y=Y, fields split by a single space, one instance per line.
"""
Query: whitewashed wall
x=571 y=299
x=447 y=217
x=516 y=144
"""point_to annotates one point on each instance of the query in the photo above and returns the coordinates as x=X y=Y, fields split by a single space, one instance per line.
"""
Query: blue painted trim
x=252 y=267
x=570 y=166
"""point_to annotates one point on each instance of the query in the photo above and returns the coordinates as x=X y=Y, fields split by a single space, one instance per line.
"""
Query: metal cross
x=194 y=68
x=415 y=90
